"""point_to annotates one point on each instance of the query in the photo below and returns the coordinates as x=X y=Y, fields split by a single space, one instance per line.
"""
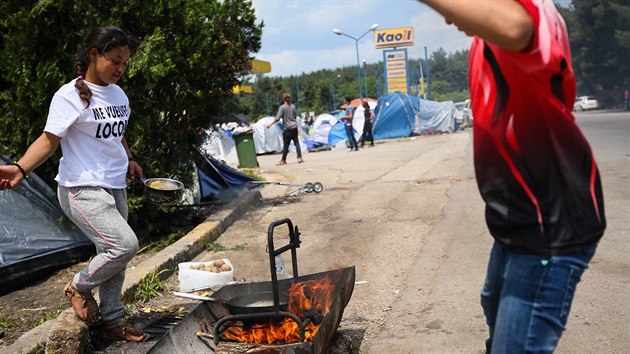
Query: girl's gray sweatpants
x=102 y=215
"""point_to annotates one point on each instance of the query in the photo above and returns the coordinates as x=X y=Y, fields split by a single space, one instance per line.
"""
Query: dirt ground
x=28 y=306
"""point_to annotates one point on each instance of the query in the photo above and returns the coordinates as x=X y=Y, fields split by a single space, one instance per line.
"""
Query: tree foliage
x=599 y=32
x=322 y=91
x=192 y=52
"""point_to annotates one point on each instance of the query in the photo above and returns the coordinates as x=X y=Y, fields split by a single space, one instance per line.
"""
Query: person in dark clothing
x=347 y=123
x=288 y=114
x=367 y=125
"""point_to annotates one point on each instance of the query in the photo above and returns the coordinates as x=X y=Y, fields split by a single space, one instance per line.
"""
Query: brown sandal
x=124 y=331
x=83 y=304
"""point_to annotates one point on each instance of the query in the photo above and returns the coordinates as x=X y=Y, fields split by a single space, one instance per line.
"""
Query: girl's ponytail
x=84 y=90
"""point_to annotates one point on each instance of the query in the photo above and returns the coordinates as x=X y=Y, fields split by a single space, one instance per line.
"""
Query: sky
x=298 y=38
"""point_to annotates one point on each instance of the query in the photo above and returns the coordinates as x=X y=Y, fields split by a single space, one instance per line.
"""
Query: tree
x=599 y=32
x=192 y=53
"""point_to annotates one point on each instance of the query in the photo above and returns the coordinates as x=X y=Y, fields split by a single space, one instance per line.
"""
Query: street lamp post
x=367 y=95
x=334 y=99
x=356 y=44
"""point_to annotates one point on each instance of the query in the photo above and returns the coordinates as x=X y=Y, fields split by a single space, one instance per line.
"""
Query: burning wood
x=309 y=300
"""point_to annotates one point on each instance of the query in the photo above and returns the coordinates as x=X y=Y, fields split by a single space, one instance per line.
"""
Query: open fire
x=303 y=320
x=309 y=300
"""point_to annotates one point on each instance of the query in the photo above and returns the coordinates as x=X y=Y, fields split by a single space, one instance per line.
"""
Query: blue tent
x=338 y=131
x=395 y=116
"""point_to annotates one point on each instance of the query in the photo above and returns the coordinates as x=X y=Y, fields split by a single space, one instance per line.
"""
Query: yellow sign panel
x=396 y=70
x=260 y=66
x=242 y=89
x=394 y=37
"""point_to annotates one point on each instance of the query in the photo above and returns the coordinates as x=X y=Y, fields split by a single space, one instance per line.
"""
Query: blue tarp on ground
x=216 y=178
x=395 y=116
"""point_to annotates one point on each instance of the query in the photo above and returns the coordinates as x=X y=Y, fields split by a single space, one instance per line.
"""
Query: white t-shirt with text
x=91 y=138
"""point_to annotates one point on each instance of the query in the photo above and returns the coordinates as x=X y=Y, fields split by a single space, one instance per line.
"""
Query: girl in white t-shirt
x=88 y=117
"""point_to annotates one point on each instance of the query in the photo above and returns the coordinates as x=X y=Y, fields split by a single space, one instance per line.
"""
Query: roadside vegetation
x=6 y=321
x=150 y=287
x=217 y=247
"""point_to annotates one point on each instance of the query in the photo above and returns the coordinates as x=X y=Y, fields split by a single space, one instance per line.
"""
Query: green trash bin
x=246 y=150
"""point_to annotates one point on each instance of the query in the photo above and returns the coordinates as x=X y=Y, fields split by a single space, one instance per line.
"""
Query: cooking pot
x=163 y=191
x=244 y=304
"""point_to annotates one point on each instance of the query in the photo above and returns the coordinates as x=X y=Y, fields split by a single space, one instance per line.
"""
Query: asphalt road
x=408 y=216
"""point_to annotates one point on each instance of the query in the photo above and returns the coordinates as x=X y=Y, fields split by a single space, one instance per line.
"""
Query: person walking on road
x=535 y=169
x=88 y=117
x=367 y=125
x=288 y=114
x=347 y=123
x=626 y=100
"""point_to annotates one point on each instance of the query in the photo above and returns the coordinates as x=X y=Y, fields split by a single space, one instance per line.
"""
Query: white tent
x=220 y=146
x=321 y=128
x=267 y=140
x=359 y=118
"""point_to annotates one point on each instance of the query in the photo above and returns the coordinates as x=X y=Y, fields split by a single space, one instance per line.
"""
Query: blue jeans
x=526 y=299
x=351 y=139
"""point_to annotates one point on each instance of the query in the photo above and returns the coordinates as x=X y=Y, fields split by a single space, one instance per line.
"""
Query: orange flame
x=307 y=299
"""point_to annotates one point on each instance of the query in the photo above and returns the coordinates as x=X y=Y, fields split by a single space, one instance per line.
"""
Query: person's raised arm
x=504 y=23
x=40 y=150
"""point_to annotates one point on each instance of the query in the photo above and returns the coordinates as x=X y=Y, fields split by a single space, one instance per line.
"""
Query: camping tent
x=435 y=117
x=337 y=134
x=34 y=238
x=395 y=116
x=220 y=145
x=321 y=128
x=269 y=140
x=398 y=115
x=329 y=130
x=358 y=119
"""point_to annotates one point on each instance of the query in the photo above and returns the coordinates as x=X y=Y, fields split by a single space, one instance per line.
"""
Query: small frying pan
x=163 y=191
x=244 y=304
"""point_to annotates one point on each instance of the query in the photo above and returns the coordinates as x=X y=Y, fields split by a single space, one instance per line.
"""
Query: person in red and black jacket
x=535 y=170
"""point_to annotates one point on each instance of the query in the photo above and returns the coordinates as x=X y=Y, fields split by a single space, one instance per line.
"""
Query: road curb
x=55 y=333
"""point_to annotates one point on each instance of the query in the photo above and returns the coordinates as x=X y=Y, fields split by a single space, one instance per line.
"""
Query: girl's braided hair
x=103 y=39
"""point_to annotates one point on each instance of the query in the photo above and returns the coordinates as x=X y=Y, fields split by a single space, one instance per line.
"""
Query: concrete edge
x=183 y=250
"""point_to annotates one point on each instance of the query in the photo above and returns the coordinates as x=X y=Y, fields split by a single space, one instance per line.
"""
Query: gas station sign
x=394 y=37
x=396 y=78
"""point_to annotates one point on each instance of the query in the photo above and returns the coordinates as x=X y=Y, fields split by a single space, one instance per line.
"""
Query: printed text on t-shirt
x=111 y=111
x=117 y=124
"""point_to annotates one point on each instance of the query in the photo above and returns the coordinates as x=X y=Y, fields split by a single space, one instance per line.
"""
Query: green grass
x=150 y=287
x=6 y=321
x=217 y=247
x=48 y=315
